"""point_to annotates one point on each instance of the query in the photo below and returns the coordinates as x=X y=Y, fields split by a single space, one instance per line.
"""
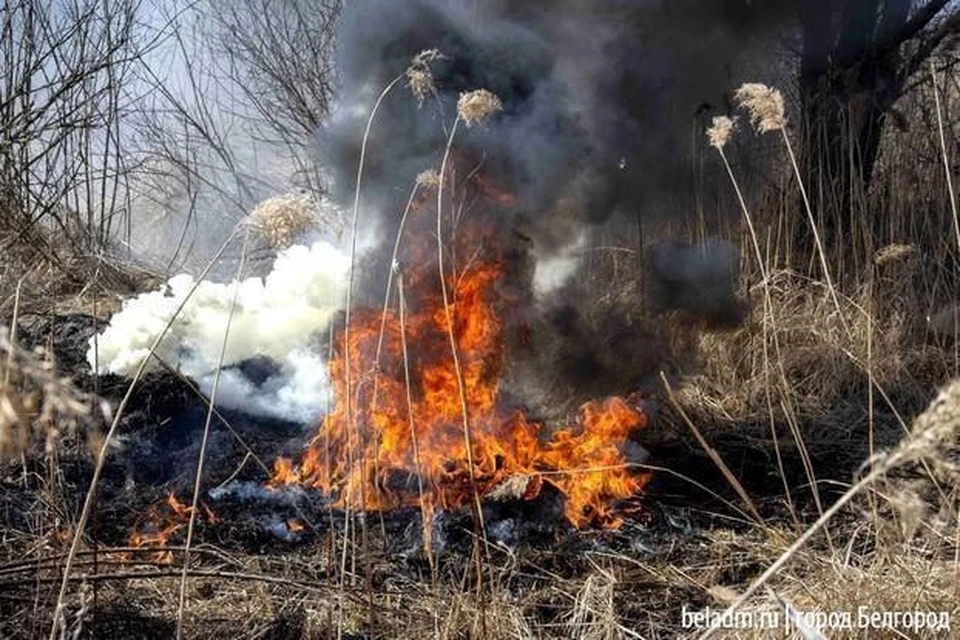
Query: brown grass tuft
x=282 y=219
x=764 y=104
x=720 y=131
x=34 y=401
x=476 y=106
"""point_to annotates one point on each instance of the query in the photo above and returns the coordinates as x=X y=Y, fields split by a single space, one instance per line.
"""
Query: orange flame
x=393 y=452
x=160 y=522
x=295 y=526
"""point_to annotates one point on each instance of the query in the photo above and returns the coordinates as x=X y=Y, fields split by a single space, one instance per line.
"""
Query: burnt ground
x=286 y=541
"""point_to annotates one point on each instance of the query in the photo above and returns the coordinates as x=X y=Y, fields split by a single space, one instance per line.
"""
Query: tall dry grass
x=828 y=371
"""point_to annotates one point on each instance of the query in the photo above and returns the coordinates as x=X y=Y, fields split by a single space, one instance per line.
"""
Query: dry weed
x=764 y=104
x=721 y=131
x=420 y=76
x=476 y=106
x=282 y=219
x=428 y=179
x=34 y=401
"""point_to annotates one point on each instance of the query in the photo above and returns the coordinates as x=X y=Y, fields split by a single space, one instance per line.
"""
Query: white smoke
x=553 y=270
x=278 y=317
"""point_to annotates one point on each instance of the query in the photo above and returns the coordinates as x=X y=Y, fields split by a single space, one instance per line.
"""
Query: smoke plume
x=599 y=100
x=277 y=319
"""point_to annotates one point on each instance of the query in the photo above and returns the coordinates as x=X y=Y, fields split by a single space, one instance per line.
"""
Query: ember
x=402 y=439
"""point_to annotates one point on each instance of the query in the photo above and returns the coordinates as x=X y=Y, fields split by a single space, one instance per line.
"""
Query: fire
x=295 y=526
x=400 y=443
x=160 y=522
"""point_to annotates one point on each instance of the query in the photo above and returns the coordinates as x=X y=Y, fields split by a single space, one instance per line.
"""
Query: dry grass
x=282 y=219
x=36 y=405
x=820 y=365
x=825 y=375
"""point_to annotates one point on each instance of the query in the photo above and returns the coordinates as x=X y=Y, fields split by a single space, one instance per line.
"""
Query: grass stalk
x=766 y=328
x=461 y=384
x=191 y=522
x=821 y=253
x=352 y=427
x=111 y=433
x=426 y=511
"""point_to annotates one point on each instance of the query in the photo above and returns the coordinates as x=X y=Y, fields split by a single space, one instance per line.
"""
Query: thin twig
x=206 y=437
x=108 y=438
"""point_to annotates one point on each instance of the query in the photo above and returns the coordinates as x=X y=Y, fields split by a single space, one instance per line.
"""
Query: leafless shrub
x=280 y=54
x=63 y=73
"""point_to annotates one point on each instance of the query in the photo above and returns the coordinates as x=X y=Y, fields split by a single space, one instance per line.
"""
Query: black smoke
x=599 y=101
x=599 y=98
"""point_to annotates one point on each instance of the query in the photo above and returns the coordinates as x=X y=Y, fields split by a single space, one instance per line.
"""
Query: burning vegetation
x=159 y=523
x=414 y=423
x=479 y=367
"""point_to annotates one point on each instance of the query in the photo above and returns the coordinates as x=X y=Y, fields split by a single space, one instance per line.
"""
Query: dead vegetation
x=842 y=463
